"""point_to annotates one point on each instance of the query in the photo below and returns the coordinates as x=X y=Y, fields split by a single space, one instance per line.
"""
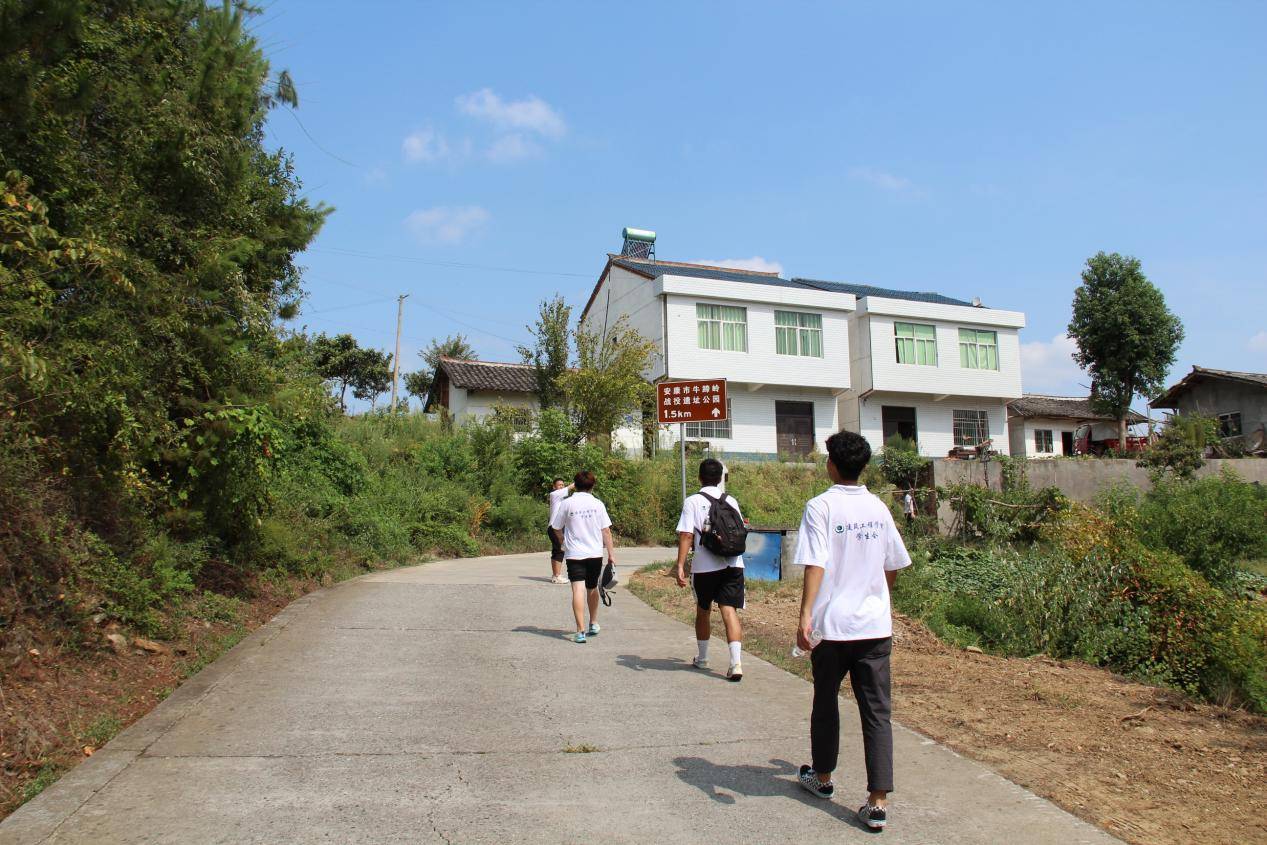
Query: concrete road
x=442 y=703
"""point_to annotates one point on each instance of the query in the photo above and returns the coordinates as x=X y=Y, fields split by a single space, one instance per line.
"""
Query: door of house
x=1066 y=442
x=899 y=420
x=794 y=427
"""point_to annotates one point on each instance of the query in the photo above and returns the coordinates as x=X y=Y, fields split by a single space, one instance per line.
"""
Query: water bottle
x=815 y=637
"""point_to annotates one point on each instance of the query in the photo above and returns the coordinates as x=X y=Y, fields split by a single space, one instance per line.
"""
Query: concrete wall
x=635 y=297
x=1081 y=479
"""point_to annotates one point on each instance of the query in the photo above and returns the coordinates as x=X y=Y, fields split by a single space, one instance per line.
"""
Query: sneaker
x=872 y=816
x=735 y=672
x=699 y=662
x=558 y=579
x=578 y=637
x=809 y=780
x=593 y=629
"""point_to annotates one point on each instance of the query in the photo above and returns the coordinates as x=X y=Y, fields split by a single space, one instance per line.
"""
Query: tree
x=418 y=383
x=337 y=359
x=608 y=381
x=1126 y=336
x=373 y=375
x=549 y=353
x=454 y=346
x=1180 y=448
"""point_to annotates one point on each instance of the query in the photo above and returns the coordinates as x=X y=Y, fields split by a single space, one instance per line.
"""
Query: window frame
x=1045 y=437
x=917 y=343
x=958 y=427
x=711 y=322
x=695 y=430
x=802 y=335
x=1225 y=424
x=973 y=349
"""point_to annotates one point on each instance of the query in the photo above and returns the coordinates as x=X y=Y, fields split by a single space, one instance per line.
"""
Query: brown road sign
x=702 y=400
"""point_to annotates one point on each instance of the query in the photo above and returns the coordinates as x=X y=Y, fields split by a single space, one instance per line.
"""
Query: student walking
x=587 y=532
x=851 y=551
x=556 y=497
x=715 y=576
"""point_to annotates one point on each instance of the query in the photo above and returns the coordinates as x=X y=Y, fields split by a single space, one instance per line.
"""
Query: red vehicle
x=1083 y=444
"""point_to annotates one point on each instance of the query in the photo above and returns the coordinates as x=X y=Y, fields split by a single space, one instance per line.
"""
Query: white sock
x=703 y=649
x=735 y=648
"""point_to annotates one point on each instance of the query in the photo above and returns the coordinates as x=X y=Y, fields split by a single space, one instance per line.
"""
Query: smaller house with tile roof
x=1237 y=400
x=1042 y=426
x=471 y=390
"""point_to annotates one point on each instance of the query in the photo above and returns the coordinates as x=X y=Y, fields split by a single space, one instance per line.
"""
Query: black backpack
x=724 y=534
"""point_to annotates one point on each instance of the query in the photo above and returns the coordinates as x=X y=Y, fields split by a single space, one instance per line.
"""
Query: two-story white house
x=782 y=346
x=935 y=370
x=805 y=358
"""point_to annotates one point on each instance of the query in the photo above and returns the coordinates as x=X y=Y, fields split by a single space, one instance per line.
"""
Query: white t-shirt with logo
x=581 y=518
x=850 y=533
x=694 y=514
x=556 y=498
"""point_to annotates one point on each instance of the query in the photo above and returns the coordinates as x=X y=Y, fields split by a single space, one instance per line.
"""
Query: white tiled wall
x=933 y=420
x=948 y=377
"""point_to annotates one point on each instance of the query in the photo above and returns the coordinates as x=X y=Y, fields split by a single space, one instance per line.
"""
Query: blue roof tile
x=886 y=293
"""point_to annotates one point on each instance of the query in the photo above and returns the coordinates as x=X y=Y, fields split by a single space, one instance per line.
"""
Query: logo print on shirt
x=840 y=529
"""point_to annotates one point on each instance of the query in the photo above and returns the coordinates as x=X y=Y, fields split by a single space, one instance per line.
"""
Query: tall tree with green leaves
x=608 y=382
x=146 y=253
x=549 y=353
x=1125 y=334
x=454 y=346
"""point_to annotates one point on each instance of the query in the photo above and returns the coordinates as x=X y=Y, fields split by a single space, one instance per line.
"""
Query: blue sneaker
x=579 y=637
x=594 y=629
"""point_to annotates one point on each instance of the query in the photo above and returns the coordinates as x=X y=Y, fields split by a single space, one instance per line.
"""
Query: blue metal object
x=762 y=555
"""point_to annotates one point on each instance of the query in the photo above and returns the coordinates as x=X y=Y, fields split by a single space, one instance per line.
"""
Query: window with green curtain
x=708 y=318
x=798 y=334
x=978 y=349
x=916 y=343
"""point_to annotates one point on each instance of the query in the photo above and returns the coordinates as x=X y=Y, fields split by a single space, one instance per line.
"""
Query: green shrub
x=1212 y=523
x=900 y=462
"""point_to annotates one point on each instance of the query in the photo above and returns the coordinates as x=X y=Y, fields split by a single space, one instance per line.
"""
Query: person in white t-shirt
x=587 y=532
x=715 y=579
x=556 y=497
x=851 y=551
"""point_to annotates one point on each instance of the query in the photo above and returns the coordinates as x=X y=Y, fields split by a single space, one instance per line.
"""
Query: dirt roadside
x=58 y=705
x=1149 y=765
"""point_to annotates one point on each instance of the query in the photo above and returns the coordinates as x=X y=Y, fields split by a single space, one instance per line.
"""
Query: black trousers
x=866 y=662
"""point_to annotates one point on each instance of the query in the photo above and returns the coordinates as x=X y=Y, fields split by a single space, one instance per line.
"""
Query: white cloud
x=446 y=225
x=1258 y=343
x=1048 y=367
x=756 y=263
x=885 y=181
x=425 y=146
x=531 y=114
x=512 y=147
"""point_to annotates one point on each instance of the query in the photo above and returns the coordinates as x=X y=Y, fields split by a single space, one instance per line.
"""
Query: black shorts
x=556 y=548
x=586 y=569
x=725 y=586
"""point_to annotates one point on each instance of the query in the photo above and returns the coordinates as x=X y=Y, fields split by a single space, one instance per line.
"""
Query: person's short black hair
x=710 y=472
x=849 y=452
x=584 y=481
x=557 y=480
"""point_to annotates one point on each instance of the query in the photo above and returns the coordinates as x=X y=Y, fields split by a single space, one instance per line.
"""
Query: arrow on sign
x=716 y=412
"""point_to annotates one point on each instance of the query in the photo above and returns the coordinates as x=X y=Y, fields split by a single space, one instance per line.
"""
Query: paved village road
x=437 y=704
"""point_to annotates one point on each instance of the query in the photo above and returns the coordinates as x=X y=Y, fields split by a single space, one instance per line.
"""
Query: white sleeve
x=557 y=522
x=686 y=522
x=607 y=520
x=896 y=557
x=812 y=541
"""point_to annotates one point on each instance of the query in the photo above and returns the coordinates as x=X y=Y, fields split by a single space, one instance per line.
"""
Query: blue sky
x=482 y=156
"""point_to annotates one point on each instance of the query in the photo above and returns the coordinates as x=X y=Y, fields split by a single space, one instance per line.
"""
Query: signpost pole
x=681 y=436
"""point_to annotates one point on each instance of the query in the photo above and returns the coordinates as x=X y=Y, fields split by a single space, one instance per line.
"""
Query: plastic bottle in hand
x=815 y=637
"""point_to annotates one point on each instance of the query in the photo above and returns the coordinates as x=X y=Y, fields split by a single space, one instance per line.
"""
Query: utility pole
x=400 y=314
